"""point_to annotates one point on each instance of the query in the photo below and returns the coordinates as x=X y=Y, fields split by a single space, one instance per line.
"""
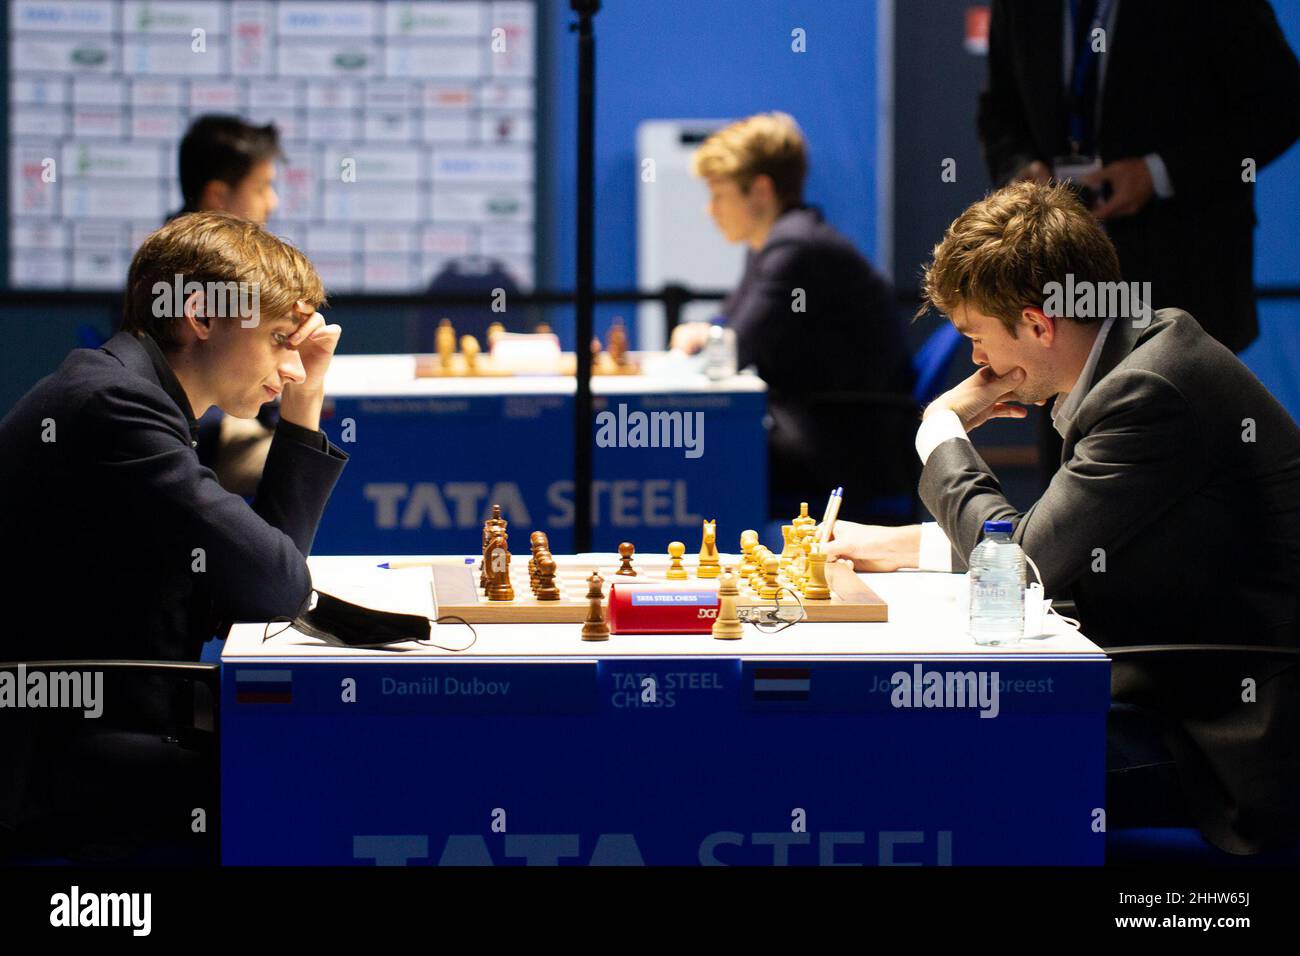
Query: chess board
x=456 y=590
x=430 y=366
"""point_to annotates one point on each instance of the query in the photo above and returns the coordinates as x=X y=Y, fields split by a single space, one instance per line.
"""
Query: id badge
x=1068 y=169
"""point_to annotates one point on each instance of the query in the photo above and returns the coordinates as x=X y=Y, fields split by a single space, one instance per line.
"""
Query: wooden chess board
x=430 y=366
x=456 y=590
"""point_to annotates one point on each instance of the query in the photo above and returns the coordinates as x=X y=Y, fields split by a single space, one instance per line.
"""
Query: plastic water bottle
x=997 y=587
x=720 y=352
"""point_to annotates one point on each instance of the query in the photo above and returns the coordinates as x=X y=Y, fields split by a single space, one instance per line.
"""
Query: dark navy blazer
x=120 y=539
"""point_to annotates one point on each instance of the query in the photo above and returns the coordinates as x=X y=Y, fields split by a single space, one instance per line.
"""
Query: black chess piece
x=538 y=541
x=490 y=527
x=594 y=628
x=498 y=568
x=546 y=589
x=625 y=551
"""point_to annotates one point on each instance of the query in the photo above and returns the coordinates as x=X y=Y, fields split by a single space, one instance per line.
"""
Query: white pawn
x=815 y=587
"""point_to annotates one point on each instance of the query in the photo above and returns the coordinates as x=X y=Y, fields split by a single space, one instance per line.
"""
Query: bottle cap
x=995 y=527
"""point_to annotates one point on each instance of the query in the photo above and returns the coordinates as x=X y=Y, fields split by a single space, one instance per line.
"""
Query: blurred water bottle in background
x=720 y=351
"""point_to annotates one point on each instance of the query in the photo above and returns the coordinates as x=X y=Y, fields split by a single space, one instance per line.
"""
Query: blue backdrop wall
x=675 y=58
x=1275 y=355
x=724 y=58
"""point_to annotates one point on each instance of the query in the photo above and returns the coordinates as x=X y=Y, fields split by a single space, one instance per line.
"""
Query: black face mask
x=343 y=624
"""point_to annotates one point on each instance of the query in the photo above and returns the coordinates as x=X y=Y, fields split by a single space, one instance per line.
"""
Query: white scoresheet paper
x=429 y=106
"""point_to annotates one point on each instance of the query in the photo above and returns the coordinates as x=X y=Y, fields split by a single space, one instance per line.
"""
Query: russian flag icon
x=264 y=687
x=782 y=683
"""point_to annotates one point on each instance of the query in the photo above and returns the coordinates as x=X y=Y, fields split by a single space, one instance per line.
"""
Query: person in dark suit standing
x=126 y=546
x=1177 y=104
x=1174 y=516
x=1163 y=110
x=810 y=314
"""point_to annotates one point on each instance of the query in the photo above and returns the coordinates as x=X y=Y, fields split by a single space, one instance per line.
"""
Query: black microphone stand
x=584 y=273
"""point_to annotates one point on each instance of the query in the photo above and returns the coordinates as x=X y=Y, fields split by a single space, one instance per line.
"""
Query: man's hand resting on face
x=875 y=547
x=315 y=342
x=982 y=396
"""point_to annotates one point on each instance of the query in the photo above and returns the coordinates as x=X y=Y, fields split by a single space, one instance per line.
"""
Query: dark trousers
x=1142 y=783
x=94 y=791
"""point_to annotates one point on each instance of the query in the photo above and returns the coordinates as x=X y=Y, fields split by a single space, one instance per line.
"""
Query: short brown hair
x=1000 y=254
x=769 y=143
x=224 y=149
x=215 y=247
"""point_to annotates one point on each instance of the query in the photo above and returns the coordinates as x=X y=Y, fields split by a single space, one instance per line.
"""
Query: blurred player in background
x=228 y=165
x=812 y=315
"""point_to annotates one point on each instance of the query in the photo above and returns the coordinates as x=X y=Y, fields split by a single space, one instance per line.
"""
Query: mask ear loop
x=266 y=635
x=312 y=599
x=448 y=618
x=453 y=619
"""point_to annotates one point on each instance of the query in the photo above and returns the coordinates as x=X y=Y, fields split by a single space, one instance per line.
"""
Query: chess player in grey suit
x=1174 y=517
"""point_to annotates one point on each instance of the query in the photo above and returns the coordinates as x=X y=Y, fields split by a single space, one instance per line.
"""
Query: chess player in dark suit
x=125 y=546
x=1174 y=516
x=810 y=314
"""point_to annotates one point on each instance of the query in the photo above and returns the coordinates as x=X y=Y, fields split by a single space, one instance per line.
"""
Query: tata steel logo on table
x=630 y=503
x=720 y=848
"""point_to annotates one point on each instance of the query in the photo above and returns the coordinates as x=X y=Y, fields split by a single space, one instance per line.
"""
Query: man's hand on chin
x=875 y=547
x=983 y=396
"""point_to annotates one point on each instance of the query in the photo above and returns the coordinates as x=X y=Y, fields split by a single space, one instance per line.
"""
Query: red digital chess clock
x=659 y=608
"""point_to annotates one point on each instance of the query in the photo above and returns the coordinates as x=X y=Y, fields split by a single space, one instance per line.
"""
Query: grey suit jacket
x=1173 y=519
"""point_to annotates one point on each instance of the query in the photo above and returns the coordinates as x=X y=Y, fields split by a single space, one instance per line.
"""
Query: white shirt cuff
x=936 y=549
x=937 y=429
x=1160 y=180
